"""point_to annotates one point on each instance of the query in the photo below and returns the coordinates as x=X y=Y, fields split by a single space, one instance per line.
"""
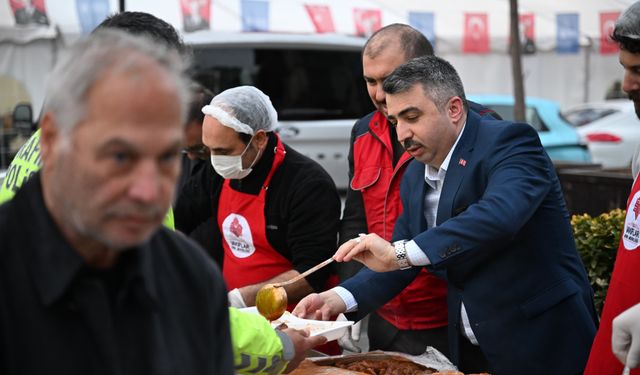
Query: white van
x=314 y=81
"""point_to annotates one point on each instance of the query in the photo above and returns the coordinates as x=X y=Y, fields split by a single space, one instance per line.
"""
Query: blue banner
x=567 y=33
x=424 y=22
x=91 y=13
x=255 y=15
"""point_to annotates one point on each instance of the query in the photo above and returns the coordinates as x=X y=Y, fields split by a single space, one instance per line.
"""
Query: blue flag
x=567 y=33
x=424 y=22
x=255 y=15
x=91 y=13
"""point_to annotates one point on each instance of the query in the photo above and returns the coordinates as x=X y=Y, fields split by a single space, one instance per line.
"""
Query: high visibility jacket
x=257 y=348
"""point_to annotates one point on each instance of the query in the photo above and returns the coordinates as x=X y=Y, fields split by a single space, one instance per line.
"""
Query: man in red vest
x=417 y=317
x=623 y=290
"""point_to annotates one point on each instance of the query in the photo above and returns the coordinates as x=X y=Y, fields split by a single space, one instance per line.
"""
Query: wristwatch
x=401 y=254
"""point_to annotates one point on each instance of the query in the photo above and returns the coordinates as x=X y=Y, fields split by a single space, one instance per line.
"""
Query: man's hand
x=625 y=341
x=302 y=342
x=323 y=306
x=371 y=250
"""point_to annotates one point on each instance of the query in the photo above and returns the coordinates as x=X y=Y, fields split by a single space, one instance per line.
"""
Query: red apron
x=623 y=292
x=248 y=257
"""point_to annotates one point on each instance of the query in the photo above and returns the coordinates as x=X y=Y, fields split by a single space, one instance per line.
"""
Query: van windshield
x=302 y=84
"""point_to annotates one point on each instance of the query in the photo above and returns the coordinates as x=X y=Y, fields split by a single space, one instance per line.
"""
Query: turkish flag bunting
x=476 y=33
x=607 y=23
x=367 y=21
x=321 y=17
x=527 y=25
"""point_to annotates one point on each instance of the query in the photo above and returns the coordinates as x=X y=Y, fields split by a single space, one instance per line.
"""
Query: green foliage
x=597 y=242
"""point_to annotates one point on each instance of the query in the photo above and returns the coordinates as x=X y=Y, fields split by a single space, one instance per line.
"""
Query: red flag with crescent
x=476 y=33
x=321 y=17
x=607 y=23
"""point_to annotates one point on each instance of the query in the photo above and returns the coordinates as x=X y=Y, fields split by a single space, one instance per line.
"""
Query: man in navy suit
x=496 y=228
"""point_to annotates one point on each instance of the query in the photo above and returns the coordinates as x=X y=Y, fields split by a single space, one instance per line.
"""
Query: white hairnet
x=245 y=109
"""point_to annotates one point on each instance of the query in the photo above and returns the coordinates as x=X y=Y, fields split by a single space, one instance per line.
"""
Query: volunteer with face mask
x=264 y=211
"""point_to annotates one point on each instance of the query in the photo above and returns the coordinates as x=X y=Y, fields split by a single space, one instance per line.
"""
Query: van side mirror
x=23 y=118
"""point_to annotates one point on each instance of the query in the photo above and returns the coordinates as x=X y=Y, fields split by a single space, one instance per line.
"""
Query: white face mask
x=230 y=166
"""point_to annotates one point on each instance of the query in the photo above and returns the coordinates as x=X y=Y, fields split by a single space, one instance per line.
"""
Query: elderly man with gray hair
x=90 y=283
x=267 y=212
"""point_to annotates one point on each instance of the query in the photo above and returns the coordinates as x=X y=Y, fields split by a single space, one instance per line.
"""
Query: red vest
x=422 y=304
x=248 y=257
x=624 y=290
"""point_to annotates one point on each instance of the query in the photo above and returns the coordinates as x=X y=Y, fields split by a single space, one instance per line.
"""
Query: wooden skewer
x=304 y=274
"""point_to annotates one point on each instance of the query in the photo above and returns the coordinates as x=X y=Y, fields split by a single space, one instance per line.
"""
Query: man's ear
x=261 y=139
x=49 y=135
x=455 y=108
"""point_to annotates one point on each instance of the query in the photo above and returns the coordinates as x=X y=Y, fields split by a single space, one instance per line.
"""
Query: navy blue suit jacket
x=504 y=244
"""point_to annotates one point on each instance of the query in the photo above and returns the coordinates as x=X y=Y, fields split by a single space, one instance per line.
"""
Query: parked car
x=314 y=81
x=610 y=128
x=559 y=138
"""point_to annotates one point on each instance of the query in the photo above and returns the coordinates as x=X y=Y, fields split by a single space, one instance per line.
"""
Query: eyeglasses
x=200 y=151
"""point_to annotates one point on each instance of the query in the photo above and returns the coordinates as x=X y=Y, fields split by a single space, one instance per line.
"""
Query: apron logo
x=631 y=230
x=236 y=228
x=237 y=234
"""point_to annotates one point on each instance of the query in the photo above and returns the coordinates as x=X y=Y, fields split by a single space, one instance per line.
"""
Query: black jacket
x=161 y=309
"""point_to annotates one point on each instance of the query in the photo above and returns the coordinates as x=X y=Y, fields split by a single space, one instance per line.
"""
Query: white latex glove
x=351 y=336
x=235 y=299
x=625 y=340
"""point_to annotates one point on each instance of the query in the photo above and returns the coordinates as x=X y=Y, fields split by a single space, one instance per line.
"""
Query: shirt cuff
x=416 y=256
x=288 y=350
x=347 y=298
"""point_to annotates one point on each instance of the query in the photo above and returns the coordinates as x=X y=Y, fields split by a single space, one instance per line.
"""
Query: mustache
x=634 y=95
x=407 y=143
x=149 y=212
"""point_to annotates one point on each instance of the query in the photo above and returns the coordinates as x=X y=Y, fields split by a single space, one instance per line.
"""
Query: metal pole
x=122 y=5
x=516 y=63
x=587 y=70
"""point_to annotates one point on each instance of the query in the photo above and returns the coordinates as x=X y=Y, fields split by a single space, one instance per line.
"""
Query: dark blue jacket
x=504 y=244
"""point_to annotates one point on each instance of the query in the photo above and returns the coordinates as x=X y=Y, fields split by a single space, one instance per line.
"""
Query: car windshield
x=303 y=84
x=531 y=115
x=584 y=116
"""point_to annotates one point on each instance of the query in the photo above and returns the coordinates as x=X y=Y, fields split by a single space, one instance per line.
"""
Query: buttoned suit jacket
x=504 y=244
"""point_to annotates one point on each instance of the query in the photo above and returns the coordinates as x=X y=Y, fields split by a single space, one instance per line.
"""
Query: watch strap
x=401 y=254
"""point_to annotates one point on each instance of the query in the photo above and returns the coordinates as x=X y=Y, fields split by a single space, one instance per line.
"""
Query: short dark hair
x=200 y=96
x=412 y=41
x=438 y=78
x=627 y=29
x=145 y=24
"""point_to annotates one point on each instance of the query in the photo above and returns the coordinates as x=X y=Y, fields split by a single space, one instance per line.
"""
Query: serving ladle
x=271 y=299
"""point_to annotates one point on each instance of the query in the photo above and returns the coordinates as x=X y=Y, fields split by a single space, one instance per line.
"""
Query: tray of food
x=379 y=363
x=362 y=364
x=332 y=330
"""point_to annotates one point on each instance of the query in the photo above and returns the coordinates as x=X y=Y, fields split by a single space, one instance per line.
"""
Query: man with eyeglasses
x=195 y=155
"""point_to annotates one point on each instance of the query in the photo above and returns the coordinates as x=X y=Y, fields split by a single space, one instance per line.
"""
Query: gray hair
x=438 y=78
x=85 y=62
x=627 y=29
